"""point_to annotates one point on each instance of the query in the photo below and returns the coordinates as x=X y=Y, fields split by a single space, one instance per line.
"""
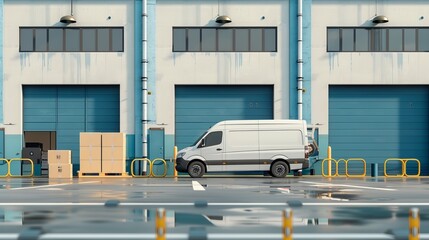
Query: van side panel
x=281 y=141
x=242 y=148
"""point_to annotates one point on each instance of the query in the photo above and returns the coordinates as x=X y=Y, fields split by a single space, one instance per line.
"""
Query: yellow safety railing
x=145 y=161
x=21 y=159
x=337 y=172
x=346 y=166
x=329 y=160
x=403 y=162
x=4 y=161
x=364 y=167
x=151 y=163
x=163 y=163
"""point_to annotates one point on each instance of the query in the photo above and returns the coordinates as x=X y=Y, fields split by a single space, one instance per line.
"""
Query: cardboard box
x=90 y=139
x=59 y=157
x=60 y=171
x=113 y=140
x=108 y=153
x=90 y=166
x=113 y=166
x=89 y=153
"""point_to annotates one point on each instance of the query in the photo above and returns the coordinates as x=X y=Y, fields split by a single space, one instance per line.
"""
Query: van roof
x=275 y=121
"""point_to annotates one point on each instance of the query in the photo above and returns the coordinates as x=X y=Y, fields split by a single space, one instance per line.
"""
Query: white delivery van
x=273 y=146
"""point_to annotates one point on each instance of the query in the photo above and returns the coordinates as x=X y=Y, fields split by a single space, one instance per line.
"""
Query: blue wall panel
x=69 y=110
x=200 y=107
x=380 y=122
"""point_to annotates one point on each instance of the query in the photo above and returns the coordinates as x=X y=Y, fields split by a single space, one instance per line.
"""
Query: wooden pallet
x=102 y=174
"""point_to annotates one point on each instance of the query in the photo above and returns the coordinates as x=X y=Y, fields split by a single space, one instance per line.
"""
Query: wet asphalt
x=213 y=207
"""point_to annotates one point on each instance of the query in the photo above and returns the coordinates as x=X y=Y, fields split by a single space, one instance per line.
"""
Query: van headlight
x=180 y=155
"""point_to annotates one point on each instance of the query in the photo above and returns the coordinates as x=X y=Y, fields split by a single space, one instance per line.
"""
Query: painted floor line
x=197 y=186
x=346 y=185
x=51 y=185
x=350 y=236
x=355 y=204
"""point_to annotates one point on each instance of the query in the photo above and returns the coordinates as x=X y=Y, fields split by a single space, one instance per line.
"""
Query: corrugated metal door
x=380 y=122
x=200 y=107
x=69 y=110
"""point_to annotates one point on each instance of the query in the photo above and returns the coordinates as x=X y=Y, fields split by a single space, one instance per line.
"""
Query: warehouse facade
x=362 y=86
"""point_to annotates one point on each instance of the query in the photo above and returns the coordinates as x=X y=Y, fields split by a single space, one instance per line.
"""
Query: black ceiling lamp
x=69 y=18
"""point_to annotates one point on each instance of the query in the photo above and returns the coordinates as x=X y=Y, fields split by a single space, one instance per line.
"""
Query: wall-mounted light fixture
x=380 y=19
x=69 y=18
x=222 y=19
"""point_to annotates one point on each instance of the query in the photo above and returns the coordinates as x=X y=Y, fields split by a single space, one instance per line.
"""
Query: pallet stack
x=113 y=153
x=90 y=153
x=102 y=154
x=59 y=164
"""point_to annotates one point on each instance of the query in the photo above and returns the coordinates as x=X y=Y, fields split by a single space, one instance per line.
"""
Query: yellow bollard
x=329 y=161
x=287 y=224
x=414 y=224
x=174 y=157
x=160 y=224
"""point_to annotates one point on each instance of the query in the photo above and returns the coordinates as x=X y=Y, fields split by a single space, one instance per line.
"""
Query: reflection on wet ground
x=268 y=196
x=227 y=217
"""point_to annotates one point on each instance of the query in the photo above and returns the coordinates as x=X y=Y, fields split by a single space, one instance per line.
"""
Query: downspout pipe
x=300 y=61
x=144 y=83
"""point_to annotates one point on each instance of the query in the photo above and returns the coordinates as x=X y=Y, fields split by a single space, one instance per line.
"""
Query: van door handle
x=219 y=149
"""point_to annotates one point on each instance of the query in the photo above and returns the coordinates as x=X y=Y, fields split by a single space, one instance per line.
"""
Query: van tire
x=279 y=169
x=196 y=169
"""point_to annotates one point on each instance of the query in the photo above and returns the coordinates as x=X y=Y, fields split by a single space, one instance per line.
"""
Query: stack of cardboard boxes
x=102 y=153
x=113 y=153
x=90 y=152
x=59 y=162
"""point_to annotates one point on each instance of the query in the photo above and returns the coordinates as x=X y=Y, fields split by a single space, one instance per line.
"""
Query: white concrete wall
x=360 y=67
x=220 y=68
x=67 y=68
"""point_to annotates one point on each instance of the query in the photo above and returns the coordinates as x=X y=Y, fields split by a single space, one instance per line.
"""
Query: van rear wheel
x=196 y=169
x=279 y=169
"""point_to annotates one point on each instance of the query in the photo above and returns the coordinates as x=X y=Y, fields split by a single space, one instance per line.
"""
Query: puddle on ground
x=336 y=195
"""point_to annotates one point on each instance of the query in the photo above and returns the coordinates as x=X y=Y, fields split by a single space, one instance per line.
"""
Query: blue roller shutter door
x=200 y=107
x=380 y=122
x=69 y=110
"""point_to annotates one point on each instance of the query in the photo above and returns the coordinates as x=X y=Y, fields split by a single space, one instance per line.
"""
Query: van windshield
x=195 y=143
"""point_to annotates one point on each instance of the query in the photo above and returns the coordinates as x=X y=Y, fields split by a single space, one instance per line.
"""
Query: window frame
x=264 y=33
x=203 y=143
x=112 y=48
x=378 y=39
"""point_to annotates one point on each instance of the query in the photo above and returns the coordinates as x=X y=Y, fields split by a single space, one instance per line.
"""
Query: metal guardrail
x=346 y=167
x=9 y=162
x=403 y=162
x=151 y=164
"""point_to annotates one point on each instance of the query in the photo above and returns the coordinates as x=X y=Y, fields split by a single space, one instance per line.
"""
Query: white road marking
x=197 y=186
x=354 y=204
x=346 y=185
x=49 y=186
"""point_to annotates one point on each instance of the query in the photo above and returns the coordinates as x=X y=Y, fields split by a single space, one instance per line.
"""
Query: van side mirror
x=202 y=143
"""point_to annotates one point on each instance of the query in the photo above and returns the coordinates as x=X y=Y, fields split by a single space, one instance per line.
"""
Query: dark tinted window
x=71 y=39
x=213 y=138
x=235 y=39
x=377 y=39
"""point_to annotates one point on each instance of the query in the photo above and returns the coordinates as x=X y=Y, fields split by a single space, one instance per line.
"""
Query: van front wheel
x=196 y=169
x=279 y=169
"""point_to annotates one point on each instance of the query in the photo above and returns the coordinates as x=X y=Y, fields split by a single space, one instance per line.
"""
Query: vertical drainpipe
x=144 y=83
x=300 y=61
